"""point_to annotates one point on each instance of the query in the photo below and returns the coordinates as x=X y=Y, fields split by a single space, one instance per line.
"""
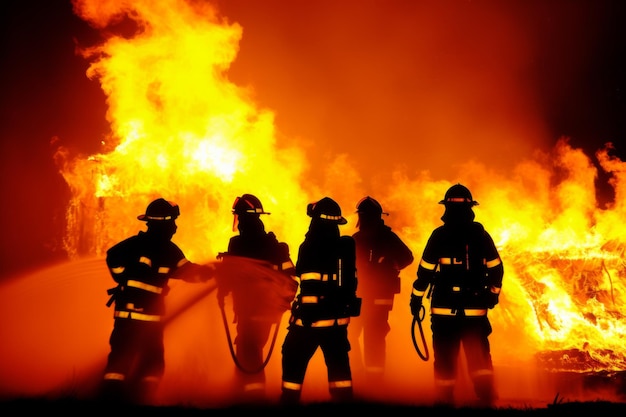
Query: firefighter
x=462 y=266
x=325 y=301
x=255 y=304
x=380 y=256
x=141 y=266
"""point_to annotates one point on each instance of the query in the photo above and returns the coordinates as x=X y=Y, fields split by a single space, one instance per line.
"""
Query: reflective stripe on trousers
x=470 y=312
x=326 y=323
x=132 y=315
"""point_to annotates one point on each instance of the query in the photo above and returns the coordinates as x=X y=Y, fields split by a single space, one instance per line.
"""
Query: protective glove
x=114 y=292
x=492 y=299
x=295 y=308
x=416 y=305
x=354 y=307
x=298 y=312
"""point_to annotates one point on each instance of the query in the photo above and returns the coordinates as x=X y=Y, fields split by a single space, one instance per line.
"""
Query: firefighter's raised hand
x=416 y=305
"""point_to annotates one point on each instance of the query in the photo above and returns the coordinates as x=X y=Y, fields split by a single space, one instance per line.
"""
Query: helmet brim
x=145 y=218
x=469 y=203
x=332 y=219
x=249 y=212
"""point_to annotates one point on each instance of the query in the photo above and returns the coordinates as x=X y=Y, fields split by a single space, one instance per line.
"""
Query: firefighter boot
x=254 y=393
x=145 y=391
x=444 y=396
x=341 y=395
x=113 y=391
x=290 y=397
x=485 y=391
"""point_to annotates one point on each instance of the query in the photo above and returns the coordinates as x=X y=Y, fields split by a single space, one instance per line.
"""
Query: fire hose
x=232 y=350
x=418 y=320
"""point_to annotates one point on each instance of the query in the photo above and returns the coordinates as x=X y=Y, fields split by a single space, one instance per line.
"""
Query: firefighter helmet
x=248 y=204
x=458 y=194
x=326 y=209
x=368 y=205
x=160 y=209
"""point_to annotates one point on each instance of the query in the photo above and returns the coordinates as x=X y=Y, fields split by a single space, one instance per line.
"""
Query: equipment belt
x=471 y=312
x=144 y=286
x=309 y=299
x=136 y=316
x=317 y=276
x=326 y=323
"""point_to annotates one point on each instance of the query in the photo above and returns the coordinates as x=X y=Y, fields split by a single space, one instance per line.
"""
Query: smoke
x=58 y=325
x=409 y=86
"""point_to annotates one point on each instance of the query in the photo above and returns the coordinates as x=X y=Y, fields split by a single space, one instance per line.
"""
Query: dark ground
x=71 y=407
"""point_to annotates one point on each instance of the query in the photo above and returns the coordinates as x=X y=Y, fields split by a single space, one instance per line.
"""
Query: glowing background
x=394 y=99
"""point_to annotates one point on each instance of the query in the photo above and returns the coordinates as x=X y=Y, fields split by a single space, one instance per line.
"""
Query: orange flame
x=180 y=129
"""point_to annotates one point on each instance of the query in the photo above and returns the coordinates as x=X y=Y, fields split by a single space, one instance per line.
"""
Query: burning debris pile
x=579 y=314
x=580 y=360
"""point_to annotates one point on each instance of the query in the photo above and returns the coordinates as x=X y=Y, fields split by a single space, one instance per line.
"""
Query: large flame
x=182 y=130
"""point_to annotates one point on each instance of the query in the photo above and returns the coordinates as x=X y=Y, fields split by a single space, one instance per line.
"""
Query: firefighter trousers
x=300 y=345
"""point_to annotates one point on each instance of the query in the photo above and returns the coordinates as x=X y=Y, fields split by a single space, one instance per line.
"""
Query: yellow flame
x=180 y=129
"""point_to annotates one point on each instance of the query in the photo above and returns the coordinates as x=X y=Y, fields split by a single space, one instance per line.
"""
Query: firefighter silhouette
x=325 y=301
x=462 y=266
x=380 y=256
x=141 y=266
x=259 y=299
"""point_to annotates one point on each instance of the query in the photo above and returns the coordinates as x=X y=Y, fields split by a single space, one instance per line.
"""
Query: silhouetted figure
x=322 y=309
x=258 y=302
x=141 y=266
x=380 y=256
x=462 y=265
